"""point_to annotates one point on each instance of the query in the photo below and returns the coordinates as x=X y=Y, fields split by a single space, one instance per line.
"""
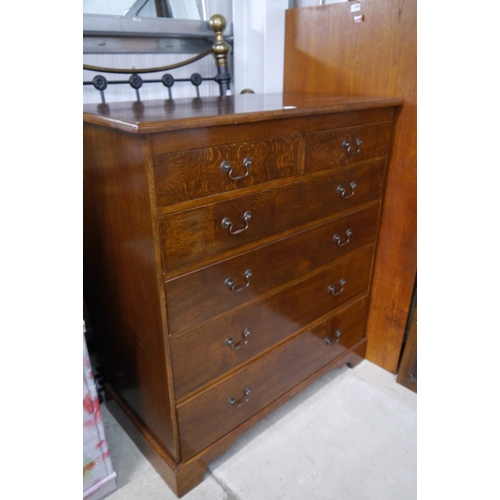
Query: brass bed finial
x=221 y=50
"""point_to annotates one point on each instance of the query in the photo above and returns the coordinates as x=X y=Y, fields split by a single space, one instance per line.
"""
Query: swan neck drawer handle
x=331 y=288
x=229 y=282
x=228 y=224
x=230 y=342
x=347 y=146
x=337 y=239
x=329 y=341
x=341 y=190
x=226 y=167
x=241 y=402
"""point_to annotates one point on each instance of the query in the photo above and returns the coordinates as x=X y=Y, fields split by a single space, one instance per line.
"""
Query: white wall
x=259 y=44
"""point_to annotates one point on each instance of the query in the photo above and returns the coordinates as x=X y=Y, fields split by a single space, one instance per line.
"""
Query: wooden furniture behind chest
x=229 y=246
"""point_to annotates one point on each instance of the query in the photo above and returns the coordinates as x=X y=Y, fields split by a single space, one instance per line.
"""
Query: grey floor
x=351 y=435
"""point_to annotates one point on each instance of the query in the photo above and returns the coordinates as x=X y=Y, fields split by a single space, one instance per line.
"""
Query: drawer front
x=197 y=298
x=210 y=415
x=180 y=139
x=330 y=148
x=206 y=353
x=203 y=172
x=193 y=235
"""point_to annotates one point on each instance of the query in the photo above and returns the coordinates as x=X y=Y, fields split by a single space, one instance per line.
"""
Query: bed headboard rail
x=220 y=50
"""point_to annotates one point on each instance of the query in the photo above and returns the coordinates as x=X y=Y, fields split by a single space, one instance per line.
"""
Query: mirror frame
x=106 y=34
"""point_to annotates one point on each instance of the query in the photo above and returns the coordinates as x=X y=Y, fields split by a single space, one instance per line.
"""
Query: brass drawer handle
x=341 y=190
x=227 y=223
x=229 y=283
x=241 y=402
x=329 y=341
x=347 y=146
x=226 y=167
x=331 y=288
x=230 y=342
x=338 y=239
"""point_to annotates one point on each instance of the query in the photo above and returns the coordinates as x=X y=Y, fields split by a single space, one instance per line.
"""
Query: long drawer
x=203 y=172
x=191 y=236
x=211 y=414
x=206 y=353
x=197 y=298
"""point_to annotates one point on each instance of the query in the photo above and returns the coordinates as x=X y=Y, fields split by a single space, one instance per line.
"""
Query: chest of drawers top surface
x=160 y=116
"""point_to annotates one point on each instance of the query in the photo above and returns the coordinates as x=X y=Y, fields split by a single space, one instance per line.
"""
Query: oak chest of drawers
x=228 y=246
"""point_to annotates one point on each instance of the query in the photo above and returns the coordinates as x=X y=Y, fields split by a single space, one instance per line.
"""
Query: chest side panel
x=120 y=257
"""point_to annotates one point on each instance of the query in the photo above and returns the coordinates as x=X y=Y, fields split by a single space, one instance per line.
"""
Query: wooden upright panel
x=327 y=51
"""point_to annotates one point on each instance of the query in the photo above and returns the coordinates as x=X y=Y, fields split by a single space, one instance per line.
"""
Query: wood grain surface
x=126 y=307
x=327 y=52
x=269 y=160
x=327 y=149
x=153 y=116
x=203 y=357
x=158 y=258
x=209 y=416
x=196 y=298
x=194 y=235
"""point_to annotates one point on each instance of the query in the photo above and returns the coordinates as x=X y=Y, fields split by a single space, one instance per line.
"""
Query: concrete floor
x=351 y=435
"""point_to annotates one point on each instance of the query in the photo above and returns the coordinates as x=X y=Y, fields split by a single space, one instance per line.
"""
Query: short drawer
x=331 y=148
x=208 y=352
x=192 y=236
x=203 y=172
x=210 y=415
x=196 y=298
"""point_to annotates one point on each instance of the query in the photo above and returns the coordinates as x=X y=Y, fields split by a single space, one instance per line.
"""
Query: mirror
x=174 y=9
x=151 y=26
